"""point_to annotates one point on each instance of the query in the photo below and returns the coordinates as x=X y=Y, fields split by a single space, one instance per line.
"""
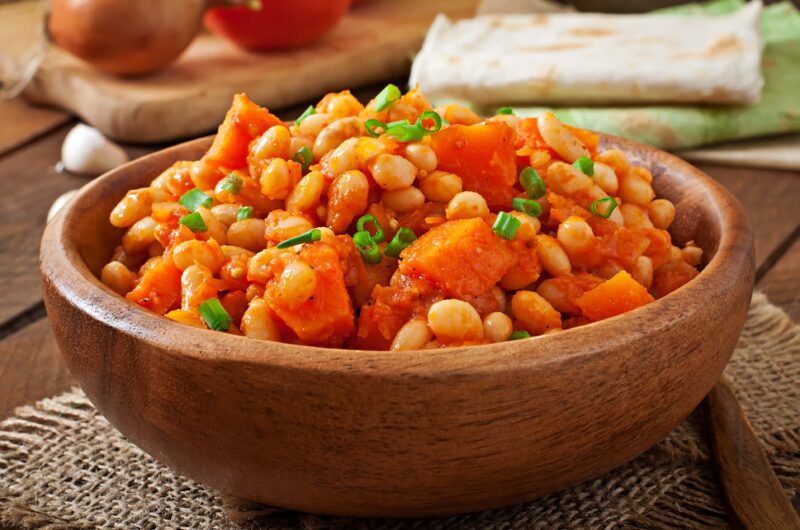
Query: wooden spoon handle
x=754 y=494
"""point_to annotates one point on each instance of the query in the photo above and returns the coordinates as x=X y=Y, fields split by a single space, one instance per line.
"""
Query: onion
x=128 y=37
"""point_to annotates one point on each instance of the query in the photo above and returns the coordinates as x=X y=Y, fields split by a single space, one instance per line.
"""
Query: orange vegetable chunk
x=670 y=276
x=244 y=122
x=159 y=287
x=463 y=257
x=326 y=318
x=613 y=297
x=483 y=156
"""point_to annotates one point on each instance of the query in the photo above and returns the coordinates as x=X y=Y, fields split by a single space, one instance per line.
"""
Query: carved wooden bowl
x=406 y=433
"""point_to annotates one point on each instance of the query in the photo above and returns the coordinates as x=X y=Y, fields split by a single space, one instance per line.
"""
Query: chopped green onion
x=194 y=222
x=532 y=208
x=612 y=205
x=506 y=225
x=369 y=218
x=405 y=132
x=532 y=183
x=402 y=239
x=586 y=165
x=306 y=237
x=398 y=122
x=215 y=315
x=244 y=212
x=233 y=184
x=430 y=115
x=387 y=96
x=517 y=335
x=371 y=125
x=304 y=157
x=368 y=248
x=505 y=110
x=195 y=198
x=306 y=113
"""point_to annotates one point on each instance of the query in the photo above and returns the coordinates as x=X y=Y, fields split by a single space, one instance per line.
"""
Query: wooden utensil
x=755 y=496
x=399 y=433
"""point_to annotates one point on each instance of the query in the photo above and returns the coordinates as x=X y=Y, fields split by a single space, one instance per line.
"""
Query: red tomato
x=278 y=24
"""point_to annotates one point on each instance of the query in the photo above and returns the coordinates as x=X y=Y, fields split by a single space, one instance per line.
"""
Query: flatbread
x=593 y=58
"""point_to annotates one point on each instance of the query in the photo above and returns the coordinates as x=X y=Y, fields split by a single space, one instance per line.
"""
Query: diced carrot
x=159 y=288
x=528 y=135
x=571 y=287
x=670 y=276
x=415 y=219
x=326 y=318
x=244 y=122
x=660 y=246
x=613 y=297
x=563 y=207
x=235 y=303
x=625 y=245
x=392 y=306
x=483 y=156
x=463 y=257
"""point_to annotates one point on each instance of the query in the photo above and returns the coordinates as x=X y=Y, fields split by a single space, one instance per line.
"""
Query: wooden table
x=30 y=141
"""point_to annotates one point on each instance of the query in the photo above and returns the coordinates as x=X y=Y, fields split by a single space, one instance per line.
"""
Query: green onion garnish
x=233 y=184
x=304 y=157
x=505 y=110
x=194 y=222
x=430 y=115
x=369 y=218
x=506 y=225
x=387 y=96
x=530 y=207
x=532 y=183
x=586 y=165
x=402 y=239
x=405 y=132
x=371 y=125
x=244 y=212
x=517 y=335
x=194 y=198
x=306 y=113
x=368 y=248
x=215 y=315
x=306 y=237
x=612 y=205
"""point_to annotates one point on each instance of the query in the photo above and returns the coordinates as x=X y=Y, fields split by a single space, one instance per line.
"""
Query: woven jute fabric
x=62 y=465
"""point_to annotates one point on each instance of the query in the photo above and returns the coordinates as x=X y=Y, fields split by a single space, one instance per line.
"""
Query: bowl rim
x=82 y=289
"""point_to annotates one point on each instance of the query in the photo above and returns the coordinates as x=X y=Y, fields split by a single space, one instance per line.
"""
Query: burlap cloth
x=62 y=465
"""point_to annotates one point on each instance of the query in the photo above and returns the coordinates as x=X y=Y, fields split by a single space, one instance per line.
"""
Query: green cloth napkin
x=675 y=127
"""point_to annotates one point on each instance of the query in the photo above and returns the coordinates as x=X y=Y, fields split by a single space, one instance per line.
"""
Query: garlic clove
x=87 y=152
x=60 y=202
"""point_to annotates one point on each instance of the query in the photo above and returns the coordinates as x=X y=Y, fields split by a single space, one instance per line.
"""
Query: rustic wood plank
x=31 y=367
x=369 y=44
x=31 y=185
x=782 y=283
x=22 y=122
x=769 y=196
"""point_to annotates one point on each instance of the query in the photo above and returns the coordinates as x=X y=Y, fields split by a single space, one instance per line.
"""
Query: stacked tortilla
x=594 y=58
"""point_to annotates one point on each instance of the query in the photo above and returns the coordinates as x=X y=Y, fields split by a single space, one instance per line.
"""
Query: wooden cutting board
x=374 y=42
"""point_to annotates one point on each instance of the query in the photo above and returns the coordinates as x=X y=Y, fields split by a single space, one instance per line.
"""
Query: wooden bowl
x=412 y=433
